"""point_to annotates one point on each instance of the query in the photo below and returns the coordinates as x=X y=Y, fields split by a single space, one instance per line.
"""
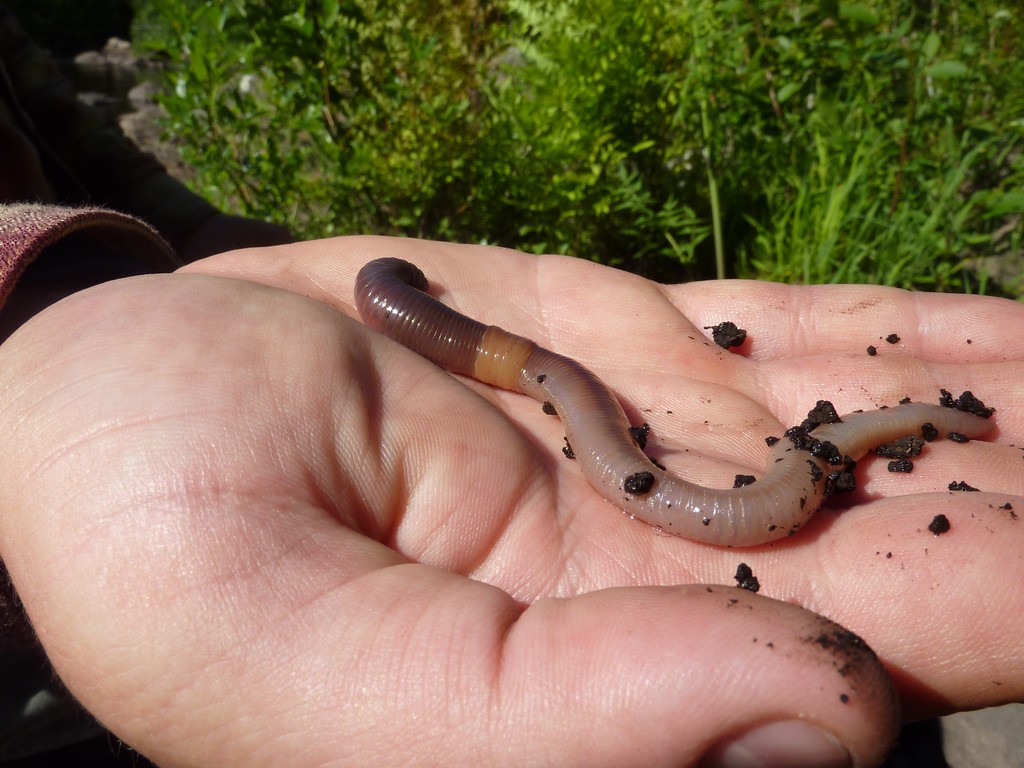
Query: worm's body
x=390 y=295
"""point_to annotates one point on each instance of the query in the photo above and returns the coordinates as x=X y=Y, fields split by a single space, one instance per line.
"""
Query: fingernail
x=787 y=744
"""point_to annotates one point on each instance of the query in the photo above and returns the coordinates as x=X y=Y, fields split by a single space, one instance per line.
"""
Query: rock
x=98 y=100
x=119 y=53
x=988 y=738
x=144 y=94
x=90 y=60
x=144 y=128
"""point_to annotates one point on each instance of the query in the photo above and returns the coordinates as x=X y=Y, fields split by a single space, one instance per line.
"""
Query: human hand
x=247 y=529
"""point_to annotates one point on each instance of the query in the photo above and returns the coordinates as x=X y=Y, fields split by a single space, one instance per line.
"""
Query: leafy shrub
x=856 y=142
x=332 y=116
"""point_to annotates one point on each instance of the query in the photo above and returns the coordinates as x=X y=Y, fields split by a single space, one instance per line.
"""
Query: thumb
x=424 y=667
x=419 y=666
x=704 y=675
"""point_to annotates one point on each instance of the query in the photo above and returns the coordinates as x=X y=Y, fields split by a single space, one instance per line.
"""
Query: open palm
x=247 y=528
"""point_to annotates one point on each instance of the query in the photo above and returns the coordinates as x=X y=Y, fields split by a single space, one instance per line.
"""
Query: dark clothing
x=55 y=149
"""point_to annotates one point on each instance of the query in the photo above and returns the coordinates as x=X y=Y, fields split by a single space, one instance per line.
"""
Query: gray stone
x=987 y=738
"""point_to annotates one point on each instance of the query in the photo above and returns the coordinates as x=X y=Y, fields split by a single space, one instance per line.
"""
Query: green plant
x=903 y=119
x=861 y=142
x=327 y=116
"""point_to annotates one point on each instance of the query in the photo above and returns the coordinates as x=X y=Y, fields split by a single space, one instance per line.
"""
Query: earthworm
x=802 y=466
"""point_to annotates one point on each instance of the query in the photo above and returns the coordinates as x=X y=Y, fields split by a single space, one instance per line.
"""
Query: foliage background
x=809 y=142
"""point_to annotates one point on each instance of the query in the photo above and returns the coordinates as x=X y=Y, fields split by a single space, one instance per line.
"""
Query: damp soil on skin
x=727 y=334
x=855 y=663
x=840 y=640
x=939 y=525
x=850 y=653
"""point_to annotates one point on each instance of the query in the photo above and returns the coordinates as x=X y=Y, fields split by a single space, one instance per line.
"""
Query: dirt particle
x=823 y=412
x=872 y=351
x=822 y=449
x=727 y=334
x=743 y=480
x=904 y=448
x=904 y=466
x=548 y=408
x=892 y=338
x=568 y=451
x=966 y=402
x=799 y=438
x=958 y=437
x=960 y=485
x=827 y=452
x=639 y=483
x=745 y=578
x=640 y=434
x=939 y=525
x=840 y=481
